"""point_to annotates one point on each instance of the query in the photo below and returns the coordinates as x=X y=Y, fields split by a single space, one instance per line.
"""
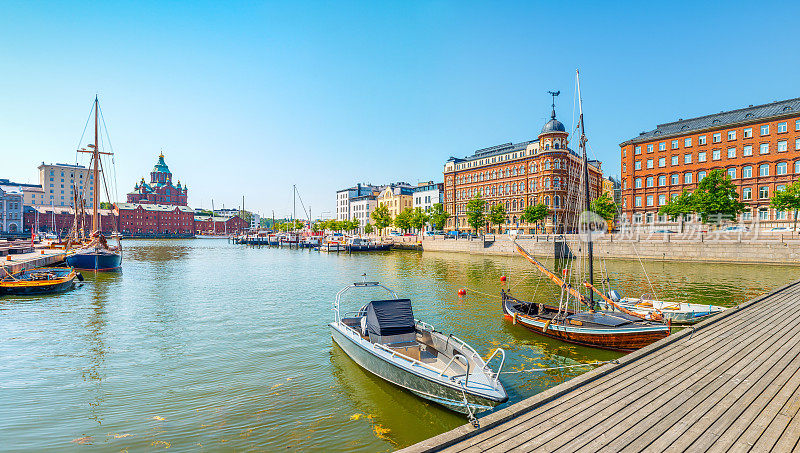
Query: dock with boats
x=17 y=256
x=729 y=383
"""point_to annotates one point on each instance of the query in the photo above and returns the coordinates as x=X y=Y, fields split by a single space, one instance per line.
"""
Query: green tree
x=438 y=216
x=105 y=205
x=316 y=227
x=788 y=200
x=476 y=215
x=353 y=225
x=368 y=228
x=716 y=199
x=678 y=207
x=497 y=215
x=403 y=219
x=535 y=213
x=382 y=217
x=604 y=206
x=419 y=219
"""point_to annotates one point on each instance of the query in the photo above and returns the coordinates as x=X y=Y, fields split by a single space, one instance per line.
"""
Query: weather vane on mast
x=554 y=94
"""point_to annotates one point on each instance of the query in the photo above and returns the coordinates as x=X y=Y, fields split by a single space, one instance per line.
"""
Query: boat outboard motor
x=614 y=295
x=80 y=277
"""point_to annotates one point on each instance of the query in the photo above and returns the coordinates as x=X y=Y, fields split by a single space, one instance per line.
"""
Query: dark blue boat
x=95 y=260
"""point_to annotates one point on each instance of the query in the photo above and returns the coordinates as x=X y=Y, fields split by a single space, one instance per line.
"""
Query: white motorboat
x=675 y=312
x=384 y=338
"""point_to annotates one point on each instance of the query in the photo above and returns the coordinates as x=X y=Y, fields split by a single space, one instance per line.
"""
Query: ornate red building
x=155 y=220
x=160 y=190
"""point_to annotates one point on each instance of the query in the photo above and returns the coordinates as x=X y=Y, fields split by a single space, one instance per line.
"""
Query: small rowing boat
x=675 y=312
x=384 y=338
x=41 y=280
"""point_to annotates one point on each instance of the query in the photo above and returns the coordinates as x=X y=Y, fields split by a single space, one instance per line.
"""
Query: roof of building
x=8 y=182
x=553 y=125
x=9 y=189
x=161 y=166
x=719 y=120
x=61 y=165
x=61 y=210
x=154 y=207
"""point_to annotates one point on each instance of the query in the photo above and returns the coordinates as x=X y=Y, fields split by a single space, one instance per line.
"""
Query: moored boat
x=675 y=312
x=384 y=338
x=40 y=280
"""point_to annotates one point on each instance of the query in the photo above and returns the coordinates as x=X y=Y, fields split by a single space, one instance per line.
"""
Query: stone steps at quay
x=709 y=248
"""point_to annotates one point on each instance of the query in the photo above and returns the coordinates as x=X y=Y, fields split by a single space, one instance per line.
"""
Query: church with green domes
x=160 y=189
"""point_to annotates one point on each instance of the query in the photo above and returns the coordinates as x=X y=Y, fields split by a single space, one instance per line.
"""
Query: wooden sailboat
x=96 y=254
x=616 y=329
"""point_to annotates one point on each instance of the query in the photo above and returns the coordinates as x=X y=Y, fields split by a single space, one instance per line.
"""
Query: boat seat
x=409 y=349
x=426 y=357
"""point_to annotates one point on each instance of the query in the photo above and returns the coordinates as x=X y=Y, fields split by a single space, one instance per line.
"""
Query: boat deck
x=730 y=383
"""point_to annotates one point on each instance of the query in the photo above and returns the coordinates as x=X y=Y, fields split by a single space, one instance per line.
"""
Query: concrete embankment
x=709 y=248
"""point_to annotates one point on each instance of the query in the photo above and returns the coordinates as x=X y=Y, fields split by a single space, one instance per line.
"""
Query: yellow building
x=608 y=187
x=396 y=198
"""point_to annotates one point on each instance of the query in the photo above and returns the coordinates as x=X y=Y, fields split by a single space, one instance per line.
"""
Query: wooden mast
x=587 y=201
x=95 y=158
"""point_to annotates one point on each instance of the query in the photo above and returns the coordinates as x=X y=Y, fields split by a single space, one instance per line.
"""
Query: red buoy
x=462 y=292
x=502 y=278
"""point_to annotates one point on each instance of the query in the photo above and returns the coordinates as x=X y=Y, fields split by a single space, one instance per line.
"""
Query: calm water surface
x=203 y=345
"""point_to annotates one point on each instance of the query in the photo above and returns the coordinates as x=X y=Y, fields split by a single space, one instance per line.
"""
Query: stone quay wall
x=709 y=247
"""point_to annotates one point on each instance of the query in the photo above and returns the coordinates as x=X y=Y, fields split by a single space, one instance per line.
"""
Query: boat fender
x=80 y=277
x=514 y=318
x=546 y=325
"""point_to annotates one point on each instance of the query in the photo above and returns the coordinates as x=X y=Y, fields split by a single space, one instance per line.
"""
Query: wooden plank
x=623 y=402
x=654 y=414
x=543 y=414
x=642 y=359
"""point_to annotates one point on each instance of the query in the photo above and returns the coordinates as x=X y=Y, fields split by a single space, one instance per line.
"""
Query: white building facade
x=57 y=182
x=345 y=196
x=361 y=208
x=428 y=194
x=10 y=209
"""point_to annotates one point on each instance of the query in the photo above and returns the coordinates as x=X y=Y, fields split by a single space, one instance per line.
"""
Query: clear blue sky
x=248 y=98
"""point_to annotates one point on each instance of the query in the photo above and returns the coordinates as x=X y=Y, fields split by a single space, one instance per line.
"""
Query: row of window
x=716 y=137
x=763 y=214
x=747 y=194
x=557 y=164
x=782 y=146
x=516 y=204
x=781 y=168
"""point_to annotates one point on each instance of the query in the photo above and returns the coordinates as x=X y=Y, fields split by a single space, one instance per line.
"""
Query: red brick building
x=757 y=146
x=155 y=220
x=515 y=175
x=219 y=225
x=160 y=190
x=59 y=220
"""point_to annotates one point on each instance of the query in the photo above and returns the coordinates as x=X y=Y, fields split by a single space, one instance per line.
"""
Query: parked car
x=781 y=230
x=452 y=234
x=467 y=235
x=735 y=229
x=394 y=233
x=434 y=233
x=664 y=231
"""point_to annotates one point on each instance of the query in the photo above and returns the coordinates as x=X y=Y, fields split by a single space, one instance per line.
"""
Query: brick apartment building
x=543 y=170
x=155 y=220
x=757 y=146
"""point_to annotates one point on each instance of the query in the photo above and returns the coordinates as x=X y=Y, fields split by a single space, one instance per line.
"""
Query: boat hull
x=34 y=287
x=93 y=261
x=624 y=339
x=452 y=398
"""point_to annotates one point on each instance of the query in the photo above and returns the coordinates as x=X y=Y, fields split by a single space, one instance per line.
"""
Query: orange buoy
x=462 y=292
x=502 y=278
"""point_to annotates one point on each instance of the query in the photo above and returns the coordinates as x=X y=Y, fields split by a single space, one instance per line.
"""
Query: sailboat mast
x=95 y=158
x=586 y=193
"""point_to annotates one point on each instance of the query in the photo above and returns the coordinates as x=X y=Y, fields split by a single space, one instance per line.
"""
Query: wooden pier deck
x=38 y=258
x=731 y=383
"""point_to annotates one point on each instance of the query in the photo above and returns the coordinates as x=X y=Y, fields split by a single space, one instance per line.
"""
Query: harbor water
x=204 y=345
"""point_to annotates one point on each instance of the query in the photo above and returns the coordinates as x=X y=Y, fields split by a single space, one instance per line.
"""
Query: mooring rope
x=558 y=367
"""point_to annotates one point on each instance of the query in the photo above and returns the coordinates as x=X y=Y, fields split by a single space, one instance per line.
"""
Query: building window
x=650 y=148
x=763 y=170
x=687 y=178
x=662 y=180
x=763 y=214
x=701 y=156
x=783 y=146
x=662 y=199
x=731 y=135
x=674 y=160
x=747 y=193
x=687 y=159
x=637 y=202
x=763 y=192
x=649 y=181
x=747 y=215
x=747 y=150
x=780 y=215
x=687 y=142
x=765 y=130
x=637 y=165
x=674 y=144
x=700 y=175
x=637 y=150
x=716 y=138
x=716 y=154
x=649 y=200
x=662 y=161
x=782 y=127
x=662 y=146
x=675 y=180
x=781 y=168
x=797 y=144
x=763 y=148
x=732 y=173
x=797 y=167
x=701 y=140
x=748 y=133
x=649 y=163
x=638 y=183
x=747 y=172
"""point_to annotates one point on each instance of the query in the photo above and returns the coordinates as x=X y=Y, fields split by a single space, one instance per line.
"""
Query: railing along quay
x=730 y=383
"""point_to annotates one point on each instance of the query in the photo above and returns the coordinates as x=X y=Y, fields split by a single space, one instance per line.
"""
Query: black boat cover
x=390 y=317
